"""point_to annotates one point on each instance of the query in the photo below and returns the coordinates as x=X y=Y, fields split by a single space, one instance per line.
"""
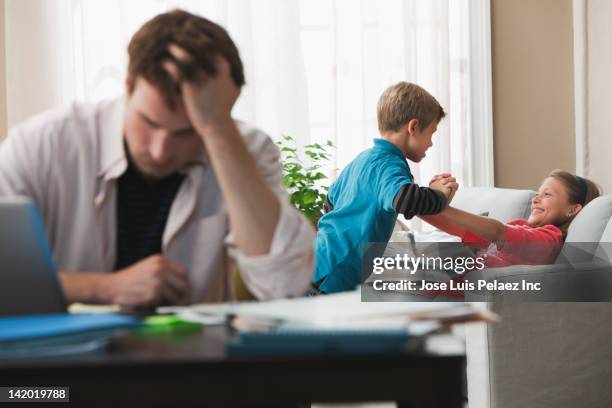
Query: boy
x=363 y=204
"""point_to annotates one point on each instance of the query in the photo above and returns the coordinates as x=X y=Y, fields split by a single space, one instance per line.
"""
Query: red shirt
x=522 y=245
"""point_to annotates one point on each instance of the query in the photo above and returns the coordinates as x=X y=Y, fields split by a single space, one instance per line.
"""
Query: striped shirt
x=142 y=211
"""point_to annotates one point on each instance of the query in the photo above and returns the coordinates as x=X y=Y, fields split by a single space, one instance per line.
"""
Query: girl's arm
x=487 y=228
x=444 y=223
x=457 y=222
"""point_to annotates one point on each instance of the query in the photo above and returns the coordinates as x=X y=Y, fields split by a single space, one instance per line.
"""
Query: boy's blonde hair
x=404 y=101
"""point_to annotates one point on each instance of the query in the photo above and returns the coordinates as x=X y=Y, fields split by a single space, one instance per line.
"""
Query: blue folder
x=316 y=341
x=59 y=334
x=15 y=328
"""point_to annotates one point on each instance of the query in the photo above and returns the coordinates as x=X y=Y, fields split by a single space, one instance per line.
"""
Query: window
x=314 y=68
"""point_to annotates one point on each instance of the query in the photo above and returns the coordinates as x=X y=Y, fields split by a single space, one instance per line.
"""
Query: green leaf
x=309 y=196
x=303 y=181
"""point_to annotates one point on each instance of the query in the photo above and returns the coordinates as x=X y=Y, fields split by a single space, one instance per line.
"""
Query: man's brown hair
x=201 y=38
x=404 y=101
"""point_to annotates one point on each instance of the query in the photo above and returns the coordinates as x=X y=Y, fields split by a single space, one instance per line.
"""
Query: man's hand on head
x=208 y=95
x=208 y=92
x=154 y=281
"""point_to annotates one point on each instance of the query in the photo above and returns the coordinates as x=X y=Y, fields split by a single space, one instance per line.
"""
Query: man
x=162 y=187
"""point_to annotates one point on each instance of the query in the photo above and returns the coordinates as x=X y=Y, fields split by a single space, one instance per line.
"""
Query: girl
x=560 y=198
x=534 y=241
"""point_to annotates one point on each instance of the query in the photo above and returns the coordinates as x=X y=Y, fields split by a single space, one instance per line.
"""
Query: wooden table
x=194 y=370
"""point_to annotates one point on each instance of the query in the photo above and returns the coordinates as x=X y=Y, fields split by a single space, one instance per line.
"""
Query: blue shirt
x=362 y=199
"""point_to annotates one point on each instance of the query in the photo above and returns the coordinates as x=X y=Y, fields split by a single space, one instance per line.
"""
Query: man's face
x=160 y=141
x=418 y=140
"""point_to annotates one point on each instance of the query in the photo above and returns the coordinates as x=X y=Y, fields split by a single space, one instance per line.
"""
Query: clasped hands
x=445 y=183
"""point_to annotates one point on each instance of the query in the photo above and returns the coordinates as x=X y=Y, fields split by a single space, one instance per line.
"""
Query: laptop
x=28 y=278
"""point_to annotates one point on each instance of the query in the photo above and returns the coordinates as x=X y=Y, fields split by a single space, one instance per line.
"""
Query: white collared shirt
x=68 y=161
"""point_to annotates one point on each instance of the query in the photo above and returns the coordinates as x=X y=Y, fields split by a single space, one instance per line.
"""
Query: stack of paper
x=343 y=310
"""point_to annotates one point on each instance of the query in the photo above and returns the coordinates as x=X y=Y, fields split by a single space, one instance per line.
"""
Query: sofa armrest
x=520 y=361
x=587 y=282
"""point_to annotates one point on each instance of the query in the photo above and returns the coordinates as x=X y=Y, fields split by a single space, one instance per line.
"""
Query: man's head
x=409 y=115
x=159 y=135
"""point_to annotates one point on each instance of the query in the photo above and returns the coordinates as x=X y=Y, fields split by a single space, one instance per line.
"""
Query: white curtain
x=314 y=68
x=593 y=87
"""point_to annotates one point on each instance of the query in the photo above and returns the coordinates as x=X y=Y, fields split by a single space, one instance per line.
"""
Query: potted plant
x=305 y=183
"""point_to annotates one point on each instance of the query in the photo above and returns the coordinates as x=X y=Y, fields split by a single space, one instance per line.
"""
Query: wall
x=2 y=74
x=597 y=144
x=533 y=90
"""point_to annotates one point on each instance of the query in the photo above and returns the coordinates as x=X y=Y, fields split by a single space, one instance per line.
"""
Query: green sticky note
x=168 y=324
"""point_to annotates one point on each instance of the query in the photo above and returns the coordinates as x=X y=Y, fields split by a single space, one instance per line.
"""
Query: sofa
x=544 y=354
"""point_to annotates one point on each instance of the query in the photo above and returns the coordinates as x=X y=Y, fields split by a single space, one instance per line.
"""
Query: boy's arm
x=441 y=221
x=413 y=200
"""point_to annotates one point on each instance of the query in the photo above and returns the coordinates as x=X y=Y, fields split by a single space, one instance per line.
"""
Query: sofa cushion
x=590 y=234
x=592 y=224
x=503 y=204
